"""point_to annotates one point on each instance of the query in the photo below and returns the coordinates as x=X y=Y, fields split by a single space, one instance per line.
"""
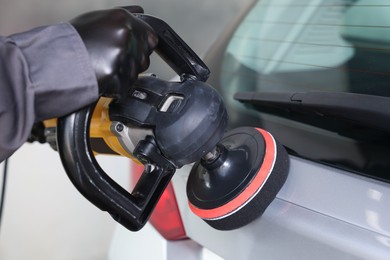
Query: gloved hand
x=119 y=45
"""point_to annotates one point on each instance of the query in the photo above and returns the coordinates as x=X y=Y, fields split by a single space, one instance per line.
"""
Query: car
x=315 y=74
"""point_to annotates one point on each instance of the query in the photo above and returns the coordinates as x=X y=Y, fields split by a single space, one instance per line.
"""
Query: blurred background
x=44 y=216
x=197 y=22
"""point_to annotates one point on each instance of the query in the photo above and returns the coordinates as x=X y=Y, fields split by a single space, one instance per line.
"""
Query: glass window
x=320 y=45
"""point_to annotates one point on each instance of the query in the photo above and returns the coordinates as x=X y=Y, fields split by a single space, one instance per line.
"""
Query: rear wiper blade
x=359 y=109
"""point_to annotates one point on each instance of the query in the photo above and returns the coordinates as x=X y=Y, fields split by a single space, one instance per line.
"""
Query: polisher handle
x=132 y=210
x=174 y=51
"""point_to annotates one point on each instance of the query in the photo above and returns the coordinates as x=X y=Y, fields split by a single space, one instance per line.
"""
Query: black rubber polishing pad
x=237 y=187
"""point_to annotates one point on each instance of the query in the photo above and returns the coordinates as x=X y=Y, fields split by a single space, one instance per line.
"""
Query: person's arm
x=55 y=70
x=44 y=73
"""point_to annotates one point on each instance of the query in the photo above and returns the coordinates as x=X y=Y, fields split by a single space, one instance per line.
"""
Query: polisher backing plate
x=237 y=188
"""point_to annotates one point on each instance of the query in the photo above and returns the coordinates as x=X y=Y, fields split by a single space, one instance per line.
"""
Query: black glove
x=119 y=45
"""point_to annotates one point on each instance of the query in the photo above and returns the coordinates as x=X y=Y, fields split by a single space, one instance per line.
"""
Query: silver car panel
x=320 y=213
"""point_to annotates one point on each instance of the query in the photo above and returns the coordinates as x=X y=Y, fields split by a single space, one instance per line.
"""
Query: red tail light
x=166 y=217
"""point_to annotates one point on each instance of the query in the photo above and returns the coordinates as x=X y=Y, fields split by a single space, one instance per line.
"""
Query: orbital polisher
x=165 y=125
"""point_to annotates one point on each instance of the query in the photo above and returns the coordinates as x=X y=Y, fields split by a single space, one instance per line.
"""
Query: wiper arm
x=359 y=109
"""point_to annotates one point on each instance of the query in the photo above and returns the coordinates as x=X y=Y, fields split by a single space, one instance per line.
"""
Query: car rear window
x=314 y=45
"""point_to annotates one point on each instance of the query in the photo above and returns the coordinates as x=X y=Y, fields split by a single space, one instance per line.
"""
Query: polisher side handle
x=174 y=51
x=132 y=210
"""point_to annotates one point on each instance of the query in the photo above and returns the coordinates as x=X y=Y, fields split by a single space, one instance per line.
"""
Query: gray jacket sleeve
x=44 y=73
